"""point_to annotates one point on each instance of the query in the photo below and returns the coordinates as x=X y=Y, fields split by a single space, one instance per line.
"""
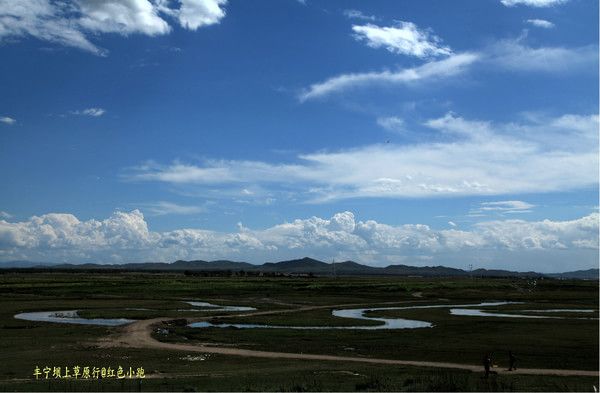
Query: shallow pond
x=70 y=316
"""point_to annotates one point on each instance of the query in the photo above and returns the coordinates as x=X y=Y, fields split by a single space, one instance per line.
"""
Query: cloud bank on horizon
x=125 y=237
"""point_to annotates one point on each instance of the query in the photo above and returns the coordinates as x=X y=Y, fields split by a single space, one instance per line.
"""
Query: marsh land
x=556 y=351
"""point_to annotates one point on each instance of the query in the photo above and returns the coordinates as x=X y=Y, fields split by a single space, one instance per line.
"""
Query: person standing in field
x=512 y=361
x=487 y=363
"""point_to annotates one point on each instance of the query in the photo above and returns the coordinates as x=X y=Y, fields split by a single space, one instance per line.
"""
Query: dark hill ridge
x=589 y=274
x=302 y=266
x=424 y=271
x=350 y=267
x=162 y=266
x=503 y=273
x=213 y=265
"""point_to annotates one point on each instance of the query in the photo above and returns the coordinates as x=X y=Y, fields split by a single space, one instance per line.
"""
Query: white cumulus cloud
x=533 y=3
x=7 y=120
x=73 y=23
x=405 y=38
x=501 y=207
x=453 y=65
x=93 y=112
x=121 y=16
x=356 y=14
x=516 y=55
x=506 y=54
x=197 y=13
x=162 y=208
x=544 y=24
x=392 y=123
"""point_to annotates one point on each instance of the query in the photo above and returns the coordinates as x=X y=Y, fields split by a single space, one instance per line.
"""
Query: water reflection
x=70 y=316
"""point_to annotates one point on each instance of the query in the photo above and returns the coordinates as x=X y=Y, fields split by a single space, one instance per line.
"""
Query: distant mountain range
x=302 y=266
x=589 y=274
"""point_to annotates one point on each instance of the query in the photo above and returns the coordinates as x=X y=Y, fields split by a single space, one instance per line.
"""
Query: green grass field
x=540 y=343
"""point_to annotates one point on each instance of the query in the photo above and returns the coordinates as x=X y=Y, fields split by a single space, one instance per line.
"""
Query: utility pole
x=333 y=267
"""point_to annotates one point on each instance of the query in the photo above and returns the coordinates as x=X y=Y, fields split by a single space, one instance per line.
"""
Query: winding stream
x=484 y=313
x=355 y=313
x=72 y=316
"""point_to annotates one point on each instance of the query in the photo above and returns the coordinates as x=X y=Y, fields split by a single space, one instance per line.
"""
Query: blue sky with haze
x=413 y=132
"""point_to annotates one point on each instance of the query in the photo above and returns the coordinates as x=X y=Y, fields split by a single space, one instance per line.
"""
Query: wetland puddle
x=70 y=316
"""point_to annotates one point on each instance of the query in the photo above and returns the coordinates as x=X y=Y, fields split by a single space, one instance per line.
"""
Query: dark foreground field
x=570 y=344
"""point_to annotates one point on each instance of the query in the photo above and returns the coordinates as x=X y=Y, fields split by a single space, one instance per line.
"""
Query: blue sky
x=385 y=132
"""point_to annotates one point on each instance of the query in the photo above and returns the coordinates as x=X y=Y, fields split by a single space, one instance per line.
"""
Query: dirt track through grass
x=139 y=335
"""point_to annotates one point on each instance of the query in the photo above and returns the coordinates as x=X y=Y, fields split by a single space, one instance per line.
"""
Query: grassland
x=568 y=344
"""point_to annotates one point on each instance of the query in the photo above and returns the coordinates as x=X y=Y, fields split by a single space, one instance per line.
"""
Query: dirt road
x=139 y=335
